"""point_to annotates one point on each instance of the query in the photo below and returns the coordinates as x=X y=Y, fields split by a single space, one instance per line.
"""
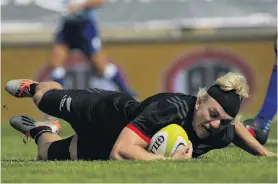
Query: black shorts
x=94 y=118
x=59 y=150
x=69 y=105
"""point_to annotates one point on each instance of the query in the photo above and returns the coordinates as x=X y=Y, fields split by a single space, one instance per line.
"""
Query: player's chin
x=202 y=133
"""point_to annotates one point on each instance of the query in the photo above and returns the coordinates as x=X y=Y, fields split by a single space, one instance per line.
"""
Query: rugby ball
x=168 y=140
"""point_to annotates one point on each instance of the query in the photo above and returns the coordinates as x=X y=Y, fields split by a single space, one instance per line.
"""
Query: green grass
x=229 y=165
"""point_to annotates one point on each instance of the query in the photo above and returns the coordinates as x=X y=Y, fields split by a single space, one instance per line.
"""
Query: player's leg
x=269 y=107
x=111 y=72
x=259 y=125
x=57 y=149
x=51 y=99
x=93 y=50
x=50 y=145
x=58 y=56
x=48 y=96
x=77 y=107
x=21 y=88
x=57 y=59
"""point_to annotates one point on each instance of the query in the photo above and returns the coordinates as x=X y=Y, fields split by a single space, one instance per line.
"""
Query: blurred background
x=161 y=45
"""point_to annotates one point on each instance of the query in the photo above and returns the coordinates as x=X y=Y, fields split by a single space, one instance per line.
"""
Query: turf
x=229 y=165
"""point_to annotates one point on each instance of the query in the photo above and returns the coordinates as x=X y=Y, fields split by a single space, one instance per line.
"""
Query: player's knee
x=43 y=151
x=42 y=88
x=73 y=147
x=63 y=149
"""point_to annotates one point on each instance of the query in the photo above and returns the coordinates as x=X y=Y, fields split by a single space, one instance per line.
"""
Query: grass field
x=229 y=165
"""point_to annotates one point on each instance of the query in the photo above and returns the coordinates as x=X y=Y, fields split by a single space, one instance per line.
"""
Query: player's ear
x=197 y=105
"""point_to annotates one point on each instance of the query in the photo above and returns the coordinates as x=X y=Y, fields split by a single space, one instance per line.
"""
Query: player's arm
x=135 y=137
x=247 y=142
x=129 y=145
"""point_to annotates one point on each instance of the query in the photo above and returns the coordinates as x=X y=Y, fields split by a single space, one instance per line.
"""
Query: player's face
x=209 y=118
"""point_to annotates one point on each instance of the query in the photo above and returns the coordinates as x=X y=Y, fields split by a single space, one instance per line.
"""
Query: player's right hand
x=184 y=153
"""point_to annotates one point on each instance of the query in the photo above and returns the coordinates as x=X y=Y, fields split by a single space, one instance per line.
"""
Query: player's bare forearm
x=247 y=142
x=91 y=3
x=135 y=152
x=129 y=146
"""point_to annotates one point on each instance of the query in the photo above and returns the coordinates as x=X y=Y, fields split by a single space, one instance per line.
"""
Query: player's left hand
x=184 y=153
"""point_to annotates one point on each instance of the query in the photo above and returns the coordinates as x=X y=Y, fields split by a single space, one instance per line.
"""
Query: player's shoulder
x=183 y=96
x=164 y=95
x=172 y=98
x=178 y=98
x=168 y=100
x=177 y=103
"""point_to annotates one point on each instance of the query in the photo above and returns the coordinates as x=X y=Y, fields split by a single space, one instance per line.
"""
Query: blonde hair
x=230 y=81
x=234 y=81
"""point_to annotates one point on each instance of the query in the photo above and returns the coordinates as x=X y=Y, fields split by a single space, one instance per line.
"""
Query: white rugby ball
x=168 y=140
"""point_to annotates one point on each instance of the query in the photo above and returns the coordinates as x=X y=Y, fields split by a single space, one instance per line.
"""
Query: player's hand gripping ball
x=168 y=140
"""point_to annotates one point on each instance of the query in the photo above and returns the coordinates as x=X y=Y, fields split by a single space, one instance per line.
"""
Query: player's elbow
x=117 y=151
x=115 y=155
x=125 y=153
x=126 y=144
x=120 y=154
x=121 y=151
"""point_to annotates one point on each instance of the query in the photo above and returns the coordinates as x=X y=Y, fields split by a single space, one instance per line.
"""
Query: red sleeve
x=139 y=133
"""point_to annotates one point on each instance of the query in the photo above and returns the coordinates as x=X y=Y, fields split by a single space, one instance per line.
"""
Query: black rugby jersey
x=114 y=111
x=167 y=108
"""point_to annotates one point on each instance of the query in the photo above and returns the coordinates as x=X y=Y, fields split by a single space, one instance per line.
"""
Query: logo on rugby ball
x=159 y=140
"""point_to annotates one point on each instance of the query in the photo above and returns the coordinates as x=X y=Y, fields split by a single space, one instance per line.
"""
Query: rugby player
x=78 y=29
x=113 y=125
